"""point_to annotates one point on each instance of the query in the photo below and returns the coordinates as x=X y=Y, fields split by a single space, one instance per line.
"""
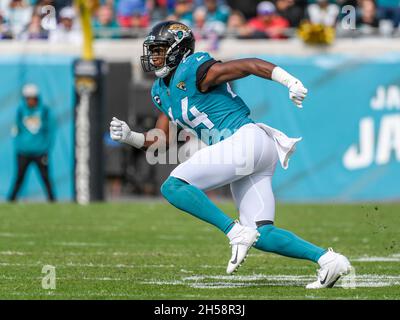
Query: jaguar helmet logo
x=179 y=31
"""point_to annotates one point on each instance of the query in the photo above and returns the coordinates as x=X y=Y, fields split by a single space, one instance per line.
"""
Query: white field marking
x=86 y=228
x=263 y=267
x=82 y=254
x=3 y=277
x=89 y=265
x=12 y=253
x=163 y=283
x=167 y=237
x=377 y=259
x=207 y=266
x=249 y=278
x=7 y=264
x=81 y=244
x=28 y=243
x=225 y=285
x=83 y=295
x=141 y=295
x=123 y=266
x=185 y=271
x=15 y=235
x=220 y=282
x=202 y=282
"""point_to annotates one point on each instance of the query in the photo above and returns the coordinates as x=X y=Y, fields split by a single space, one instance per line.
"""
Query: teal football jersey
x=213 y=115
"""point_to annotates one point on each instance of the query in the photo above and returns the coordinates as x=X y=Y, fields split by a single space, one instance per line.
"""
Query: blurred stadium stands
x=56 y=20
x=345 y=77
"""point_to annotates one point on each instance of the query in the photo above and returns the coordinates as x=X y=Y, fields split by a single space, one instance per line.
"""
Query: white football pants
x=246 y=160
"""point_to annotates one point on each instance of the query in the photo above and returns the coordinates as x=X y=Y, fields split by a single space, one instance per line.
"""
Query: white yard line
x=224 y=282
x=220 y=282
x=83 y=254
x=15 y=235
x=377 y=259
x=12 y=253
x=87 y=265
x=82 y=244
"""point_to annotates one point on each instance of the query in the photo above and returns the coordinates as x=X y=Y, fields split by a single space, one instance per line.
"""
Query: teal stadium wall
x=351 y=100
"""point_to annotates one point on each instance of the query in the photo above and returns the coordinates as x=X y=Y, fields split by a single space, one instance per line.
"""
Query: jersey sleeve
x=202 y=71
x=199 y=66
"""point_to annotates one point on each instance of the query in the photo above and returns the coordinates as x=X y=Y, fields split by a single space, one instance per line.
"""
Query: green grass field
x=153 y=251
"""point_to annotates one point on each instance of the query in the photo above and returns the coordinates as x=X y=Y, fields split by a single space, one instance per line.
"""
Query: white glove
x=297 y=93
x=120 y=131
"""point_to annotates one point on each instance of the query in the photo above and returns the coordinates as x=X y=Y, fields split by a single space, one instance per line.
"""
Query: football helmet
x=166 y=45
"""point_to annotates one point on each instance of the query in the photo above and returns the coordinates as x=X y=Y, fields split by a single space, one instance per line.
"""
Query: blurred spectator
x=158 y=10
x=236 y=24
x=389 y=10
x=57 y=4
x=214 y=18
x=248 y=7
x=4 y=29
x=267 y=24
x=323 y=12
x=183 y=12
x=209 y=19
x=367 y=20
x=342 y=3
x=34 y=135
x=48 y=13
x=132 y=14
x=199 y=20
x=35 y=29
x=290 y=11
x=104 y=23
x=68 y=30
x=19 y=16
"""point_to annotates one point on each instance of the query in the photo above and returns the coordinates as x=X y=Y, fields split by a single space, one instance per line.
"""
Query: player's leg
x=255 y=201
x=193 y=200
x=43 y=165
x=208 y=168
x=22 y=165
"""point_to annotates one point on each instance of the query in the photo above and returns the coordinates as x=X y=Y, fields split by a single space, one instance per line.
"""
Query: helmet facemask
x=154 y=55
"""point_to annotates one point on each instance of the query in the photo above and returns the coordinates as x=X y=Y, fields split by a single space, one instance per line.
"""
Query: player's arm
x=120 y=131
x=232 y=70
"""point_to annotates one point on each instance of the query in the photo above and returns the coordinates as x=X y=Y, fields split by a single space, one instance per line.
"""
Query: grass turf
x=154 y=251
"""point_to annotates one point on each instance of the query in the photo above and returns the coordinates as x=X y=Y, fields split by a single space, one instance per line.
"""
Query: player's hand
x=297 y=93
x=119 y=130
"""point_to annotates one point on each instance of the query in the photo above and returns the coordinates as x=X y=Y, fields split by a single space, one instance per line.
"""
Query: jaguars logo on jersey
x=181 y=85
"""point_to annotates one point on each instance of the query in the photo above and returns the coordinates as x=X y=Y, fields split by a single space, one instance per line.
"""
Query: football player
x=192 y=90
